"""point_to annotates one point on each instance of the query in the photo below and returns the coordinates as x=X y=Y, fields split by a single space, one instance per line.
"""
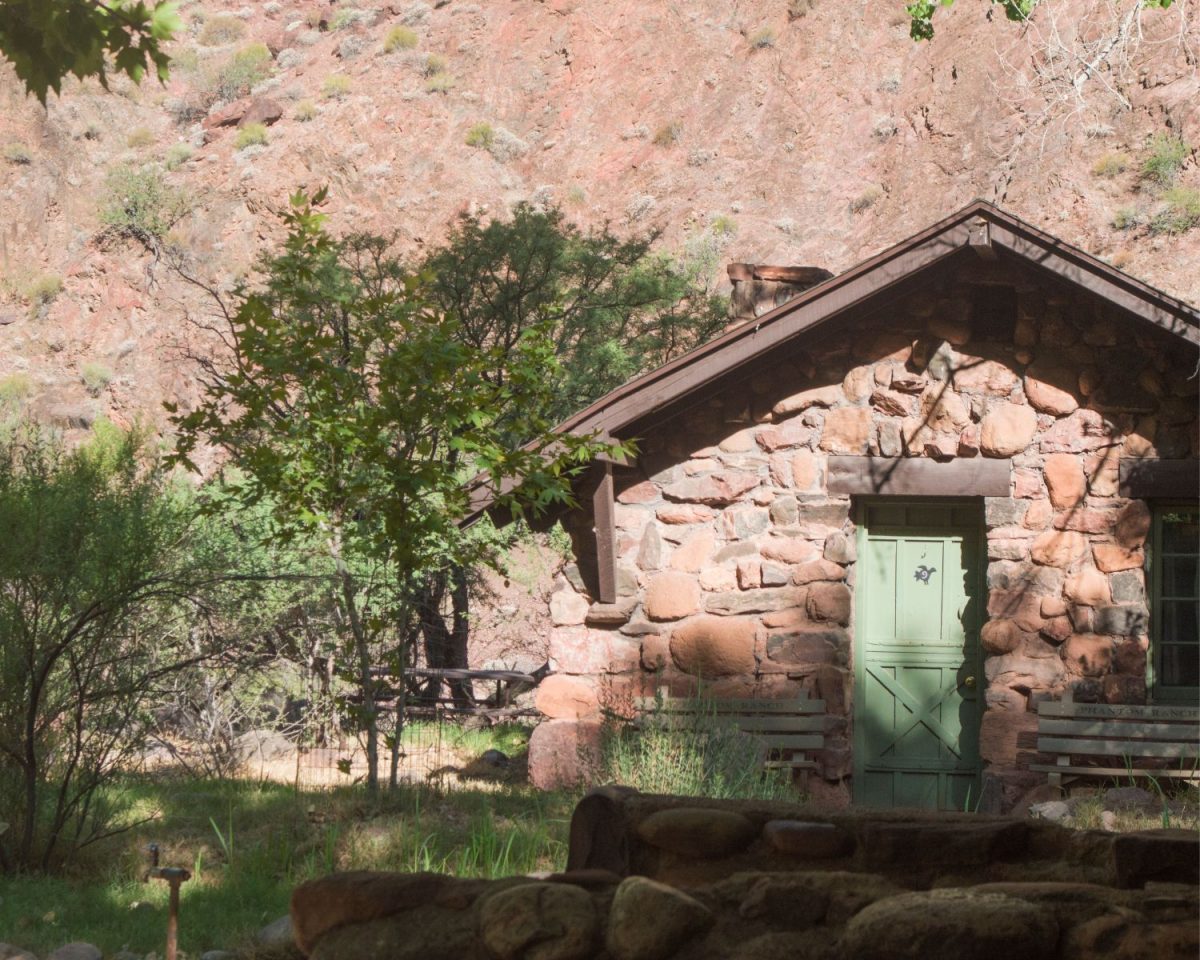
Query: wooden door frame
x=859 y=509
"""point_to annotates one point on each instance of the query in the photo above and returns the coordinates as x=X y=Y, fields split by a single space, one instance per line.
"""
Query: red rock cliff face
x=737 y=554
x=810 y=132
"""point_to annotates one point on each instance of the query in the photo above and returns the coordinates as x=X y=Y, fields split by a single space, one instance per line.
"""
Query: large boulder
x=539 y=921
x=651 y=921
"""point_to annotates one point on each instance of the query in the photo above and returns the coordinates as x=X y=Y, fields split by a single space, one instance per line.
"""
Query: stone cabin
x=955 y=480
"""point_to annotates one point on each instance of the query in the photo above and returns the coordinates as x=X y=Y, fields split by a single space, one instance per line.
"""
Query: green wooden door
x=917 y=666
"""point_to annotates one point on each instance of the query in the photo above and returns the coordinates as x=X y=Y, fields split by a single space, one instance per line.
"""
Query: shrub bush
x=1126 y=219
x=305 y=111
x=1181 y=211
x=439 y=83
x=14 y=389
x=250 y=135
x=139 y=138
x=17 y=154
x=481 y=135
x=336 y=86
x=248 y=66
x=44 y=289
x=221 y=29
x=762 y=38
x=177 y=154
x=433 y=65
x=1110 y=165
x=399 y=38
x=668 y=134
x=139 y=203
x=865 y=200
x=1167 y=153
x=95 y=377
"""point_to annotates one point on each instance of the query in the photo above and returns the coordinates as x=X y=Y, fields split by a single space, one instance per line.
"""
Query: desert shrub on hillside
x=668 y=134
x=43 y=289
x=336 y=86
x=399 y=38
x=1126 y=218
x=248 y=66
x=177 y=154
x=251 y=135
x=17 y=154
x=439 y=83
x=481 y=135
x=139 y=203
x=1110 y=165
x=14 y=388
x=434 y=64
x=305 y=111
x=1180 y=211
x=139 y=138
x=762 y=38
x=221 y=29
x=1166 y=156
x=95 y=377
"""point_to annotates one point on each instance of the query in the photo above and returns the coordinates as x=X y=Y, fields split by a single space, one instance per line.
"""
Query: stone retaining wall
x=739 y=881
x=736 y=564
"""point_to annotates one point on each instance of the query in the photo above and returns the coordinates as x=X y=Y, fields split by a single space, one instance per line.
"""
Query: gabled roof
x=979 y=225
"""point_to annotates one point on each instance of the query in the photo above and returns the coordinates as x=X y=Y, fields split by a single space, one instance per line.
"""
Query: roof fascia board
x=758 y=337
x=1071 y=266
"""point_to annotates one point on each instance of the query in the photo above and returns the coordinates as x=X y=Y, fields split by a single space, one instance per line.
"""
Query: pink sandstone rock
x=644 y=492
x=1065 y=480
x=1006 y=430
x=740 y=442
x=789 y=549
x=684 y=513
x=858 y=383
x=829 y=603
x=718 y=578
x=1000 y=636
x=1133 y=525
x=1112 y=557
x=1051 y=389
x=656 y=652
x=1083 y=430
x=847 y=430
x=563 y=753
x=1057 y=629
x=715 y=490
x=1038 y=516
x=893 y=404
x=567 y=607
x=749 y=573
x=714 y=646
x=563 y=697
x=807 y=468
x=1059 y=548
x=1123 y=688
x=1088 y=654
x=672 y=595
x=1086 y=519
x=1053 y=607
x=813 y=397
x=790 y=433
x=1088 y=587
x=695 y=552
x=578 y=650
x=1129 y=657
x=815 y=570
x=973 y=375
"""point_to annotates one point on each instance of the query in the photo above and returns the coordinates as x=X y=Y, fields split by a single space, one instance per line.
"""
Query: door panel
x=917 y=658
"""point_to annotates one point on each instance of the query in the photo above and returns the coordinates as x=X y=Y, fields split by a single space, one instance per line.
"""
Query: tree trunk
x=365 y=681
x=446 y=647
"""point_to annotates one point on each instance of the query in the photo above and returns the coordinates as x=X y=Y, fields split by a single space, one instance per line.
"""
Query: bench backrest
x=794 y=724
x=1117 y=730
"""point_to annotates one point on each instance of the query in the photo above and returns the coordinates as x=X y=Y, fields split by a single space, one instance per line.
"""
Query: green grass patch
x=220 y=30
x=1180 y=212
x=177 y=155
x=1126 y=218
x=248 y=66
x=1166 y=156
x=249 y=844
x=95 y=376
x=43 y=289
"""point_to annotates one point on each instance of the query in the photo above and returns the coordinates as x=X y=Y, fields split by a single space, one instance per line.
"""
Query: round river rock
x=697 y=832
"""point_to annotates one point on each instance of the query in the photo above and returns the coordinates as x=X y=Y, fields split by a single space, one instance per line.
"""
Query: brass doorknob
x=969 y=682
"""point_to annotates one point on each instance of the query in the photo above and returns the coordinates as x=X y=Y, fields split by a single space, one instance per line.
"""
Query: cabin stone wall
x=735 y=564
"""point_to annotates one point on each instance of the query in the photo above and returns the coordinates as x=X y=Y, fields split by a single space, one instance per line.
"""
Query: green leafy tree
x=100 y=583
x=921 y=12
x=357 y=410
x=45 y=40
x=610 y=307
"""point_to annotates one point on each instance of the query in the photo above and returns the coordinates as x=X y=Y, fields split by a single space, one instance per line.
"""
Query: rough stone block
x=829 y=603
x=712 y=646
x=563 y=753
x=563 y=697
x=1007 y=429
x=1088 y=654
x=1123 y=620
x=671 y=596
x=847 y=430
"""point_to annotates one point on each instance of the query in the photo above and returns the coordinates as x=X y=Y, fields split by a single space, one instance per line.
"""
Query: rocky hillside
x=783 y=131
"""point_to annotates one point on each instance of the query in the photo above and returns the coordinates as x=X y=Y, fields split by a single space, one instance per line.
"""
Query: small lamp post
x=174 y=877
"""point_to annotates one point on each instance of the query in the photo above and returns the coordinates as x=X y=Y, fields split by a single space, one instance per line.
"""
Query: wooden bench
x=1159 y=741
x=790 y=730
